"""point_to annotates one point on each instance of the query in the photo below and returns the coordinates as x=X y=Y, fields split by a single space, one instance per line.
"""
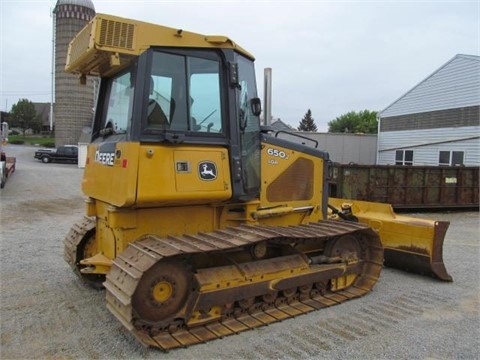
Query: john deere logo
x=207 y=170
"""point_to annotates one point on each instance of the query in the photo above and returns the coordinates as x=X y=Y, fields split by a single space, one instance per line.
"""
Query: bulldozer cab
x=175 y=97
x=174 y=93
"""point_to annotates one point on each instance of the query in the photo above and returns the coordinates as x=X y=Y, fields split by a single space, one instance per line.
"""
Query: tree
x=24 y=116
x=352 y=122
x=307 y=123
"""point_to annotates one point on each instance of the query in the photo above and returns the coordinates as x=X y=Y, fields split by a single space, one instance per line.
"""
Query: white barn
x=437 y=122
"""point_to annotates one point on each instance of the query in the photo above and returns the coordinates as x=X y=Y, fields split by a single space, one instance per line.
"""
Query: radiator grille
x=116 y=34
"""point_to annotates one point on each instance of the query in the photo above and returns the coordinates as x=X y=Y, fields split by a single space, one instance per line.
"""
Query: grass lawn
x=44 y=141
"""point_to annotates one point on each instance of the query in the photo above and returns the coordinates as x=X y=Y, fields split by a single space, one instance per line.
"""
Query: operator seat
x=155 y=115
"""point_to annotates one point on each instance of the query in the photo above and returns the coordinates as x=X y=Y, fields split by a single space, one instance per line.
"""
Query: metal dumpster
x=407 y=187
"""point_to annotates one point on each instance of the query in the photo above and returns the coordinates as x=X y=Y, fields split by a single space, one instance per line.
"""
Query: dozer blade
x=410 y=244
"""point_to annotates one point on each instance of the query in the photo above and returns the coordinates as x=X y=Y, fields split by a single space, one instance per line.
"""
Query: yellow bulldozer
x=201 y=223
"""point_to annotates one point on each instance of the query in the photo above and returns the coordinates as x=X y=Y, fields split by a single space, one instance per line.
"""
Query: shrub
x=17 y=142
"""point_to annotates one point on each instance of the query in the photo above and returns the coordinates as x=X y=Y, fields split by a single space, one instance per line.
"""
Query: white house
x=438 y=121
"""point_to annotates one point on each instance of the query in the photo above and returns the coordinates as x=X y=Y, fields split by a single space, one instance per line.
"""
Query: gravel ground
x=46 y=312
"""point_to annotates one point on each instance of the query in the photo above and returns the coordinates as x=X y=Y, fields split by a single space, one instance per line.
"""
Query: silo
x=74 y=102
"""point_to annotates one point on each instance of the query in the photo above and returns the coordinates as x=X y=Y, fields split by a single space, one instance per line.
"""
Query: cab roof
x=108 y=43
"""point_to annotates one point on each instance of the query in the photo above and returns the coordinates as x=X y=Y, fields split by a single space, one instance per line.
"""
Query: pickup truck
x=65 y=153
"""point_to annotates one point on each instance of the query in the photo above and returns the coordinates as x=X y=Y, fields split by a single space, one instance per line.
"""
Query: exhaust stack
x=267 y=97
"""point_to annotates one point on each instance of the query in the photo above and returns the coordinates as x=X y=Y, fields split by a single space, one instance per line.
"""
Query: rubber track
x=73 y=239
x=129 y=266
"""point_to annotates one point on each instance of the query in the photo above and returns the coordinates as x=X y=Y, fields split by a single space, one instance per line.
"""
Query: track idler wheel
x=162 y=293
x=348 y=249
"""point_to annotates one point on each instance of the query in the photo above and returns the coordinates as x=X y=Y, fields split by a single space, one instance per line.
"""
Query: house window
x=450 y=158
x=404 y=157
x=457 y=158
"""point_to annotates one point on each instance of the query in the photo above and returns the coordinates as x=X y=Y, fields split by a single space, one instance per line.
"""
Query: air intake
x=116 y=34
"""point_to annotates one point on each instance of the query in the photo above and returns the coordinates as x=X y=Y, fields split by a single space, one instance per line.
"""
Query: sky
x=331 y=57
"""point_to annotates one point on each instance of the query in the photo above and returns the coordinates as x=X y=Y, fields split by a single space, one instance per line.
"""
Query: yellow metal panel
x=396 y=231
x=121 y=219
x=182 y=175
x=191 y=180
x=106 y=239
x=111 y=173
x=116 y=228
x=277 y=162
x=90 y=209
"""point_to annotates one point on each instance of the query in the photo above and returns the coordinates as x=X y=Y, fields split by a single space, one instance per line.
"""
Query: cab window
x=205 y=96
x=119 y=104
x=183 y=94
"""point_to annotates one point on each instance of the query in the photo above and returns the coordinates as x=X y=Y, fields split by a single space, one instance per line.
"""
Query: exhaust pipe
x=267 y=96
